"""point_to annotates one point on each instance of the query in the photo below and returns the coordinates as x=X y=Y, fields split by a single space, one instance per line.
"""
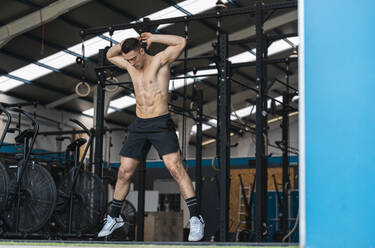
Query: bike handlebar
x=29 y=116
x=81 y=126
x=3 y=110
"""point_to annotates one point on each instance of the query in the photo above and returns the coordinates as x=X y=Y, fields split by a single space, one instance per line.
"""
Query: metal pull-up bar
x=213 y=14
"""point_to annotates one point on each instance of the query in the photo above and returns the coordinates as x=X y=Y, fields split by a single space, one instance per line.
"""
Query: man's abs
x=151 y=104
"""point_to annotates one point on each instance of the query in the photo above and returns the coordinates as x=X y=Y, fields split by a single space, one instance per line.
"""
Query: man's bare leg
x=174 y=164
x=114 y=219
x=125 y=172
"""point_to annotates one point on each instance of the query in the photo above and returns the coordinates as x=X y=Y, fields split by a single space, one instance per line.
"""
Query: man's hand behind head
x=146 y=38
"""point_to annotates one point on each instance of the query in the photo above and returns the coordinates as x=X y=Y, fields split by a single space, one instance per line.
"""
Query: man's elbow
x=109 y=57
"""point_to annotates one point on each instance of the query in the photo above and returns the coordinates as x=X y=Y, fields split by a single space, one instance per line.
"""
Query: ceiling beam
x=33 y=20
x=62 y=101
x=122 y=12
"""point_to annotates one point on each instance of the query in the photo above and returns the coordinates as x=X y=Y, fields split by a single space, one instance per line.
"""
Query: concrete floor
x=88 y=244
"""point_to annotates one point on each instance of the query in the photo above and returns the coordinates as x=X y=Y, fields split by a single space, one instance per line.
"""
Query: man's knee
x=176 y=172
x=124 y=174
x=127 y=169
x=174 y=166
x=171 y=159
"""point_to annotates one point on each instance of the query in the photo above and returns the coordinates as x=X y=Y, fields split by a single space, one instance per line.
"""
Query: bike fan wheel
x=4 y=182
x=129 y=215
x=89 y=203
x=127 y=231
x=37 y=198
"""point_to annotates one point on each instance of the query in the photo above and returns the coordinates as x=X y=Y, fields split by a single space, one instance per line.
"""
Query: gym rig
x=224 y=124
x=82 y=192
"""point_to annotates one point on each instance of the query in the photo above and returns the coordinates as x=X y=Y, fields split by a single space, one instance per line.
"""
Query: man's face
x=135 y=58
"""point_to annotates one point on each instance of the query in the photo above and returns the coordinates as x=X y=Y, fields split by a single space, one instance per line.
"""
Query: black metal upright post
x=285 y=166
x=141 y=200
x=198 y=147
x=261 y=166
x=99 y=123
x=223 y=114
x=91 y=156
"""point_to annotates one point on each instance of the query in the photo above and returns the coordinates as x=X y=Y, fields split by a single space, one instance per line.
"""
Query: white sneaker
x=196 y=228
x=110 y=224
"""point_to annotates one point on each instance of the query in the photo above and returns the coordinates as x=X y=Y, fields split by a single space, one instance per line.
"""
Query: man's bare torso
x=151 y=88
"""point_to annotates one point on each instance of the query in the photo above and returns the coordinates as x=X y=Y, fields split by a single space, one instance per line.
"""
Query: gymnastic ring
x=213 y=163
x=111 y=88
x=82 y=94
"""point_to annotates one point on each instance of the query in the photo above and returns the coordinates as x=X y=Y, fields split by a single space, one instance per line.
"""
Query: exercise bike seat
x=78 y=142
x=25 y=133
x=13 y=130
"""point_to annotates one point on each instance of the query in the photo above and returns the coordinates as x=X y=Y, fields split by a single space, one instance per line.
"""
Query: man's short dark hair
x=130 y=44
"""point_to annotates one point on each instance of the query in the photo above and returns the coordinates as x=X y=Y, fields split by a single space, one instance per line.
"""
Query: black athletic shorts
x=142 y=133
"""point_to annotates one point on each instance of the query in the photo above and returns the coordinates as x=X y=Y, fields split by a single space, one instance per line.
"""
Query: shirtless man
x=153 y=125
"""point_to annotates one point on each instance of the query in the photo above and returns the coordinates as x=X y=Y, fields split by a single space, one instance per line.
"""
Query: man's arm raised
x=176 y=45
x=114 y=56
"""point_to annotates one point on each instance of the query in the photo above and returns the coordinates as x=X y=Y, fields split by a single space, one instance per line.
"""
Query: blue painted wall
x=340 y=123
x=208 y=162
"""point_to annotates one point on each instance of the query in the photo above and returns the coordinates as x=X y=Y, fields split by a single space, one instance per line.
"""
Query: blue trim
x=11 y=149
x=207 y=162
x=17 y=149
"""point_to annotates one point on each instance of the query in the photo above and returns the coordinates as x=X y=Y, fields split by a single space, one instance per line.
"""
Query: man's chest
x=143 y=80
x=148 y=79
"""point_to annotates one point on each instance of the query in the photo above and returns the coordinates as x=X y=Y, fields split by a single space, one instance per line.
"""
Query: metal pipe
x=261 y=165
x=223 y=131
x=198 y=147
x=211 y=15
x=141 y=200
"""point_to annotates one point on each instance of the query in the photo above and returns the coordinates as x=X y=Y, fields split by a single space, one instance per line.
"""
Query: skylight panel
x=93 y=45
x=179 y=82
x=204 y=72
x=58 y=60
x=123 y=34
x=8 y=83
x=191 y=6
x=169 y=12
x=123 y=102
x=198 y=6
x=30 y=72
x=243 y=112
x=212 y=123
x=242 y=57
x=89 y=112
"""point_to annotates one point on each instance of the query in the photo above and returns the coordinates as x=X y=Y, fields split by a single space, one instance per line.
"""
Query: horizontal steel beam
x=37 y=18
x=214 y=14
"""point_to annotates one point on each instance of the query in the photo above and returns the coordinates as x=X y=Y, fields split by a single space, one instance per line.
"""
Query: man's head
x=133 y=52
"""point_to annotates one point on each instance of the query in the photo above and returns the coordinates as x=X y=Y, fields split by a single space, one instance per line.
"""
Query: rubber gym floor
x=68 y=244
